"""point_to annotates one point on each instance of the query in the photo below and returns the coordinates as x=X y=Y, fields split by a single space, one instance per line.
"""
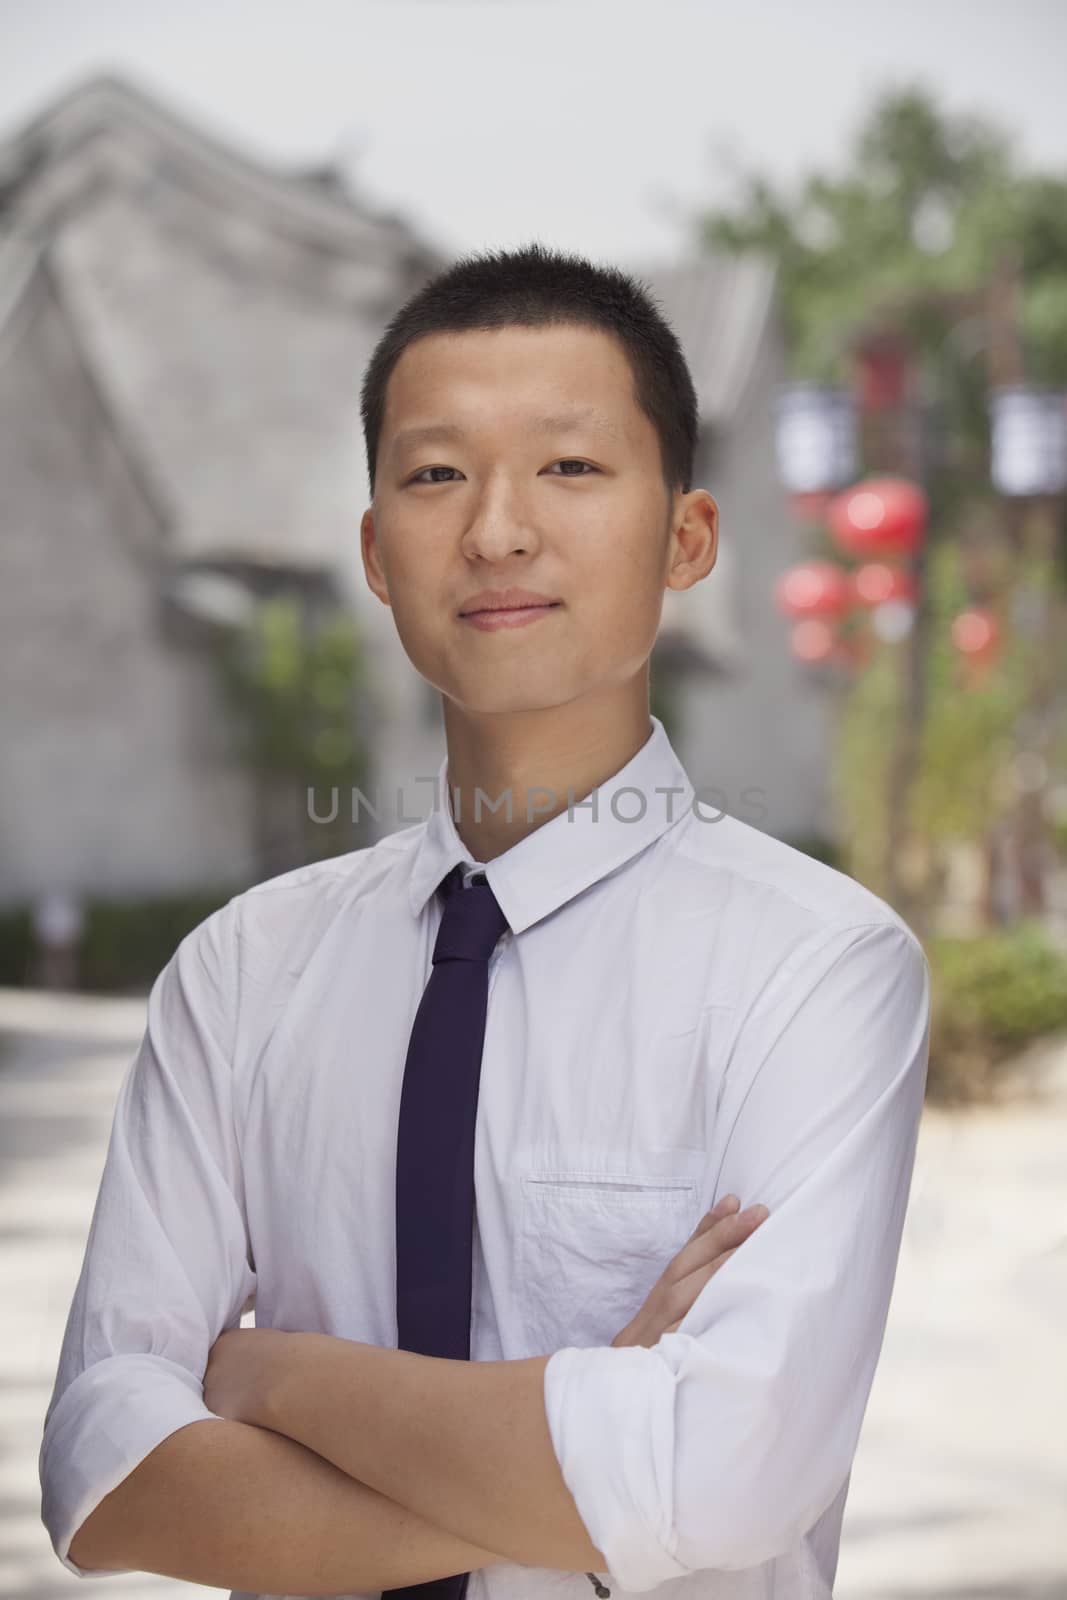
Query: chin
x=533 y=684
x=502 y=699
x=507 y=705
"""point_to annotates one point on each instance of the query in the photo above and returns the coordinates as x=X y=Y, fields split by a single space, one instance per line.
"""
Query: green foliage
x=859 y=778
x=968 y=735
x=819 y=848
x=928 y=201
x=990 y=996
x=297 y=689
x=16 y=946
x=907 y=236
x=124 y=945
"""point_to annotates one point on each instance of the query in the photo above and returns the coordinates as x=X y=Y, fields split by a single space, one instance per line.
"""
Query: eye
x=566 y=461
x=420 y=475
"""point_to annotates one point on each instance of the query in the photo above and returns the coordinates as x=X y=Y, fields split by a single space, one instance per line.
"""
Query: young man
x=657 y=1008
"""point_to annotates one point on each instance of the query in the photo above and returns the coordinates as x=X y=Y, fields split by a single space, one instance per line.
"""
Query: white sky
x=592 y=125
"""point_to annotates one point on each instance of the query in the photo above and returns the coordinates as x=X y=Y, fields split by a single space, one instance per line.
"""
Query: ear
x=372 y=564
x=695 y=540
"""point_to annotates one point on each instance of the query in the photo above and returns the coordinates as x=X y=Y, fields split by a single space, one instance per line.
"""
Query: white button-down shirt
x=683 y=1007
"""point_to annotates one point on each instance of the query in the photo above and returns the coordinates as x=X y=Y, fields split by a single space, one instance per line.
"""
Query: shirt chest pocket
x=591 y=1246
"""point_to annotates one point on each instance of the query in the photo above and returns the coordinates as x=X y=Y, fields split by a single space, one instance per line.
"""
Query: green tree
x=300 y=691
x=924 y=213
x=928 y=200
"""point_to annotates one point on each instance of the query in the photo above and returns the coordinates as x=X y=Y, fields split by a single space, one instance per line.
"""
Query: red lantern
x=976 y=633
x=879 y=517
x=813 y=589
x=812 y=640
x=874 y=583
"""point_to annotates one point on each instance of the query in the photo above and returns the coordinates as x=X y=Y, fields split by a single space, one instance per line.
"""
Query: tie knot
x=472 y=921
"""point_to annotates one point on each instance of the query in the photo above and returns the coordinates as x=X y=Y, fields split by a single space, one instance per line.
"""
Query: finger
x=722 y=1208
x=685 y=1293
x=720 y=1234
x=731 y=1229
x=725 y=1207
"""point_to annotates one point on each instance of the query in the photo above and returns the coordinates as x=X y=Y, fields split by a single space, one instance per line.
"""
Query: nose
x=495 y=540
x=496 y=531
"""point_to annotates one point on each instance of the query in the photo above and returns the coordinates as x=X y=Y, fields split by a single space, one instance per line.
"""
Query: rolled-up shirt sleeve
x=719 y=1447
x=167 y=1263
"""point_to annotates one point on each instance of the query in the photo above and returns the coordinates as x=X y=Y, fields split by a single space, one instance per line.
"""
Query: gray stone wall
x=115 y=775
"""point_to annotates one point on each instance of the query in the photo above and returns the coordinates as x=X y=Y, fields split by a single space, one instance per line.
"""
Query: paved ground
x=959 y=1490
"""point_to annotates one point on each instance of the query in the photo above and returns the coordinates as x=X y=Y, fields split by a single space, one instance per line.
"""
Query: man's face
x=575 y=513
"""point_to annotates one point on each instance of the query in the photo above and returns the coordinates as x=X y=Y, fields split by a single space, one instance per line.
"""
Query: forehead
x=544 y=378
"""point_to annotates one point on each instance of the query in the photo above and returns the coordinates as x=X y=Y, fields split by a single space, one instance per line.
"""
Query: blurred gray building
x=183 y=333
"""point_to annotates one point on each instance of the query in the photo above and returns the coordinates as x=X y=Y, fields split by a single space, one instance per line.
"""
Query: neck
x=535 y=757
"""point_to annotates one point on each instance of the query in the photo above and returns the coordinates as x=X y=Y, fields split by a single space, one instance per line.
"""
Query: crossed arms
x=371 y=1468
x=419 y=1445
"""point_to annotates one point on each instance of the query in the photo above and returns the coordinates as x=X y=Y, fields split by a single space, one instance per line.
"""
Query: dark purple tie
x=435 y=1145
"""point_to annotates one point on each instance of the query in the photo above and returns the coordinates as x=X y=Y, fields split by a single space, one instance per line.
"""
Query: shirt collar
x=569 y=853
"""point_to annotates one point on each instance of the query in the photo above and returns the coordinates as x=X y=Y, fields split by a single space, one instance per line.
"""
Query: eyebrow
x=451 y=433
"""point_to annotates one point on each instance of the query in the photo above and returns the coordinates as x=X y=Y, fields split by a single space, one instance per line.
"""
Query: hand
x=242 y=1372
x=718 y=1234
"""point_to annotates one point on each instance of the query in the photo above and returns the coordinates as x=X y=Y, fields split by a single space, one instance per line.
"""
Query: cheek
x=415 y=589
x=627 y=608
x=418 y=631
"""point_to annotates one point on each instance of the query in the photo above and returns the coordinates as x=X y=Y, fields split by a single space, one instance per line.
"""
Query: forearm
x=234 y=1506
x=464 y=1443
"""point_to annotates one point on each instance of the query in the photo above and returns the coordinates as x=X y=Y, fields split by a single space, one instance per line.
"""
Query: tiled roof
x=109 y=118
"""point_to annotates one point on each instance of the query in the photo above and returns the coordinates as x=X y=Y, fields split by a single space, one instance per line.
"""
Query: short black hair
x=532 y=287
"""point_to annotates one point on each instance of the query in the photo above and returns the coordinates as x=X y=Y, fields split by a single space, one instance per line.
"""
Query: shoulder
x=253 y=949
x=776 y=900
x=788 y=942
x=294 y=906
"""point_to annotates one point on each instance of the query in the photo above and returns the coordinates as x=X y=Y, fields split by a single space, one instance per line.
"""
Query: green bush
x=991 y=996
x=16 y=947
x=819 y=848
x=125 y=943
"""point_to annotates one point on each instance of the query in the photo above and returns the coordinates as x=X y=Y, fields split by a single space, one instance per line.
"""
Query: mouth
x=491 y=611
x=508 y=616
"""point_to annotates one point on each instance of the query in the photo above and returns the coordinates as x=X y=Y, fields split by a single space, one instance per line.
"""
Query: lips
x=489 y=611
x=506 y=600
x=507 y=617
